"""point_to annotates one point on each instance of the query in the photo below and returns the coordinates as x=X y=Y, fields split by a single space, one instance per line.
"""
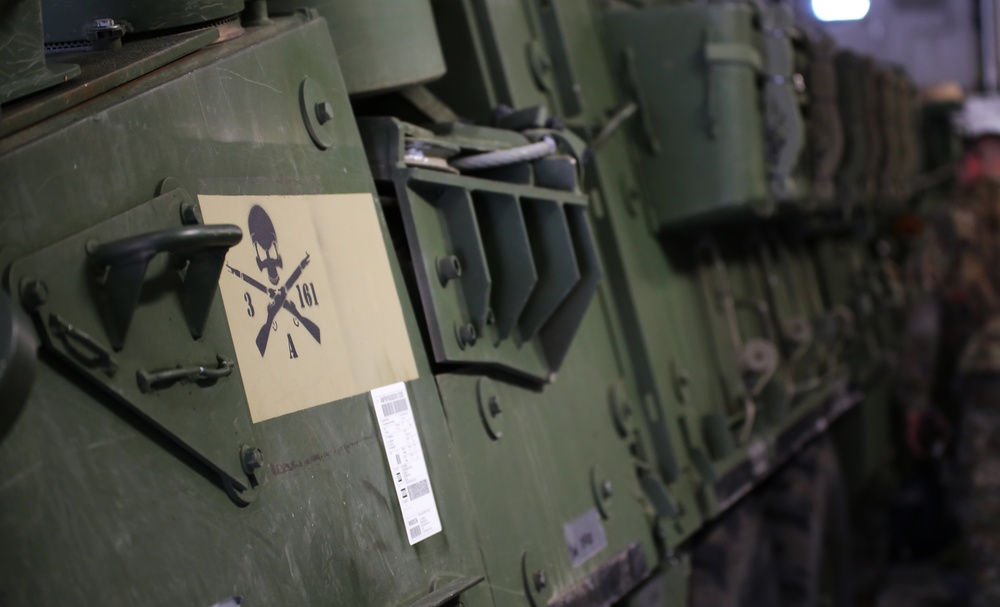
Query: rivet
x=34 y=294
x=467 y=335
x=190 y=214
x=324 y=112
x=449 y=268
x=253 y=459
x=541 y=582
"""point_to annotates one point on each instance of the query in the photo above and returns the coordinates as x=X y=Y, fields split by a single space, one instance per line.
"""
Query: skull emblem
x=265 y=243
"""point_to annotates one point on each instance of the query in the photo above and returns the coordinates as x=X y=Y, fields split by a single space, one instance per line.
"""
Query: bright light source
x=840 y=10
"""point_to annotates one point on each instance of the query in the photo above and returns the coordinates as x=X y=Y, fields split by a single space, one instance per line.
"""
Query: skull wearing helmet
x=265 y=243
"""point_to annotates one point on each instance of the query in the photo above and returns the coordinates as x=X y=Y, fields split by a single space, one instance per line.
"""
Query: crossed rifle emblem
x=265 y=242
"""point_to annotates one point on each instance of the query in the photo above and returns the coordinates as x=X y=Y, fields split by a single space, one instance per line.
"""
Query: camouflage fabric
x=974 y=291
x=948 y=380
x=954 y=288
x=977 y=502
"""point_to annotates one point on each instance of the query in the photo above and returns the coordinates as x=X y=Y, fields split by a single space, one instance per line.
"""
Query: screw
x=494 y=406
x=467 y=335
x=540 y=581
x=448 y=268
x=324 y=112
x=190 y=214
x=253 y=459
x=34 y=294
x=606 y=489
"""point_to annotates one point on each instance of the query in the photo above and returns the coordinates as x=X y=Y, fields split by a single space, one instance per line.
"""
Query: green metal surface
x=23 y=68
x=506 y=268
x=382 y=45
x=701 y=96
x=635 y=246
x=18 y=362
x=70 y=25
x=99 y=505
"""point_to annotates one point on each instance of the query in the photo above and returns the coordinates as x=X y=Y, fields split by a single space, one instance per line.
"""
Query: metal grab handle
x=121 y=269
x=142 y=248
x=154 y=380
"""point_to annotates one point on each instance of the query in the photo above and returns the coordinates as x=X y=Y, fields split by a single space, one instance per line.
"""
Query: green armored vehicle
x=437 y=302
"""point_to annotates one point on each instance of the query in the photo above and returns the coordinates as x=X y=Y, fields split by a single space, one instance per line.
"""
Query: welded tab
x=555 y=259
x=505 y=239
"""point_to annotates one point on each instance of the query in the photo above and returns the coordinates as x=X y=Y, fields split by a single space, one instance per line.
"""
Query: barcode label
x=419 y=489
x=393 y=403
x=405 y=457
x=394 y=407
x=585 y=537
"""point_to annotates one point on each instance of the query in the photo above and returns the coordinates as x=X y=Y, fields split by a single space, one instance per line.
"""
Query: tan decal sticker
x=310 y=300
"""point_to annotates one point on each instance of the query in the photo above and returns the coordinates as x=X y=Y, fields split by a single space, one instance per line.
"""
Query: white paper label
x=406 y=461
x=585 y=537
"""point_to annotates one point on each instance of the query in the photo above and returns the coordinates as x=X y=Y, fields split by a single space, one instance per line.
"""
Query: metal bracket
x=120 y=268
x=201 y=407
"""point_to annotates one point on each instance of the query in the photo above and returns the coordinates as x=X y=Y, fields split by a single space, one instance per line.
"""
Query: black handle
x=178 y=241
x=121 y=267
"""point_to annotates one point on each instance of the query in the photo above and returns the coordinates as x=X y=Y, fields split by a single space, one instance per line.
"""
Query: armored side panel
x=507 y=268
x=382 y=45
x=584 y=90
x=707 y=441
x=702 y=154
x=23 y=68
x=201 y=427
x=71 y=25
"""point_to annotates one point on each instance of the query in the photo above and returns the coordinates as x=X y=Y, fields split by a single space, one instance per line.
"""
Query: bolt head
x=449 y=268
x=467 y=334
x=253 y=460
x=606 y=489
x=494 y=406
x=541 y=582
x=34 y=294
x=324 y=112
x=190 y=214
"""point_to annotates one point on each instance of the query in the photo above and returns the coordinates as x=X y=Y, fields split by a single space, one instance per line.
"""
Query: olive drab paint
x=328 y=302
